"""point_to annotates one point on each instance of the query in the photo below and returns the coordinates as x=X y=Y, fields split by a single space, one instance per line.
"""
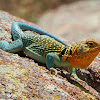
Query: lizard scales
x=50 y=50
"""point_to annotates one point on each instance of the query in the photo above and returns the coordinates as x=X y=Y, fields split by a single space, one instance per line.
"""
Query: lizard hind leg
x=3 y=45
x=72 y=71
x=12 y=47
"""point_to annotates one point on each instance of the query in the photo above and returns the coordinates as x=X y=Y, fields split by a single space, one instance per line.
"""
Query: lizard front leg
x=51 y=58
x=72 y=71
x=12 y=47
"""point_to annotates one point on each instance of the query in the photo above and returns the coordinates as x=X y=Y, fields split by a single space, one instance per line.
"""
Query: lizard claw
x=55 y=71
x=76 y=77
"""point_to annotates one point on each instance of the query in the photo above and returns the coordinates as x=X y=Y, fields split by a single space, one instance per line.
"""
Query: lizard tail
x=17 y=31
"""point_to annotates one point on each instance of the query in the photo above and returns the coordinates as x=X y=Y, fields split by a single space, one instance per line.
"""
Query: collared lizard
x=48 y=49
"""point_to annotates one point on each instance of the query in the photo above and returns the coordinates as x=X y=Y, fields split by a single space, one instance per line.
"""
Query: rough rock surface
x=21 y=78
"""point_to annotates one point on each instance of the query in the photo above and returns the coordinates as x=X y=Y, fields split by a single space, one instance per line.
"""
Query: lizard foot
x=55 y=71
x=76 y=77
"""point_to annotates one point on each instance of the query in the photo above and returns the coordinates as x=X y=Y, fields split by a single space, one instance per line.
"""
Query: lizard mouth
x=95 y=49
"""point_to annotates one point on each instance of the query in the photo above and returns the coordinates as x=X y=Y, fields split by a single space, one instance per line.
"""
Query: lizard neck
x=84 y=59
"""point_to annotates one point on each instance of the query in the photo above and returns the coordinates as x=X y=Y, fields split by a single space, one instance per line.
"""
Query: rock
x=22 y=78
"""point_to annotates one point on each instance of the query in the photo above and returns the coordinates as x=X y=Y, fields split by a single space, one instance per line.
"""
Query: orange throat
x=83 y=60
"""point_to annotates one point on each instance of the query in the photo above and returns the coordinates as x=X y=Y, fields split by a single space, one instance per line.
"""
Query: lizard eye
x=90 y=44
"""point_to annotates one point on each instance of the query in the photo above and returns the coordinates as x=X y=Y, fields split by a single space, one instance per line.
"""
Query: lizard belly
x=34 y=56
x=42 y=59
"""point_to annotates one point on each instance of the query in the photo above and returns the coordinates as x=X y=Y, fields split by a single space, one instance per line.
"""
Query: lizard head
x=82 y=54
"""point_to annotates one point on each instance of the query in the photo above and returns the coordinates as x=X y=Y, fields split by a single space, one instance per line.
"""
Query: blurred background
x=73 y=20
x=31 y=10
